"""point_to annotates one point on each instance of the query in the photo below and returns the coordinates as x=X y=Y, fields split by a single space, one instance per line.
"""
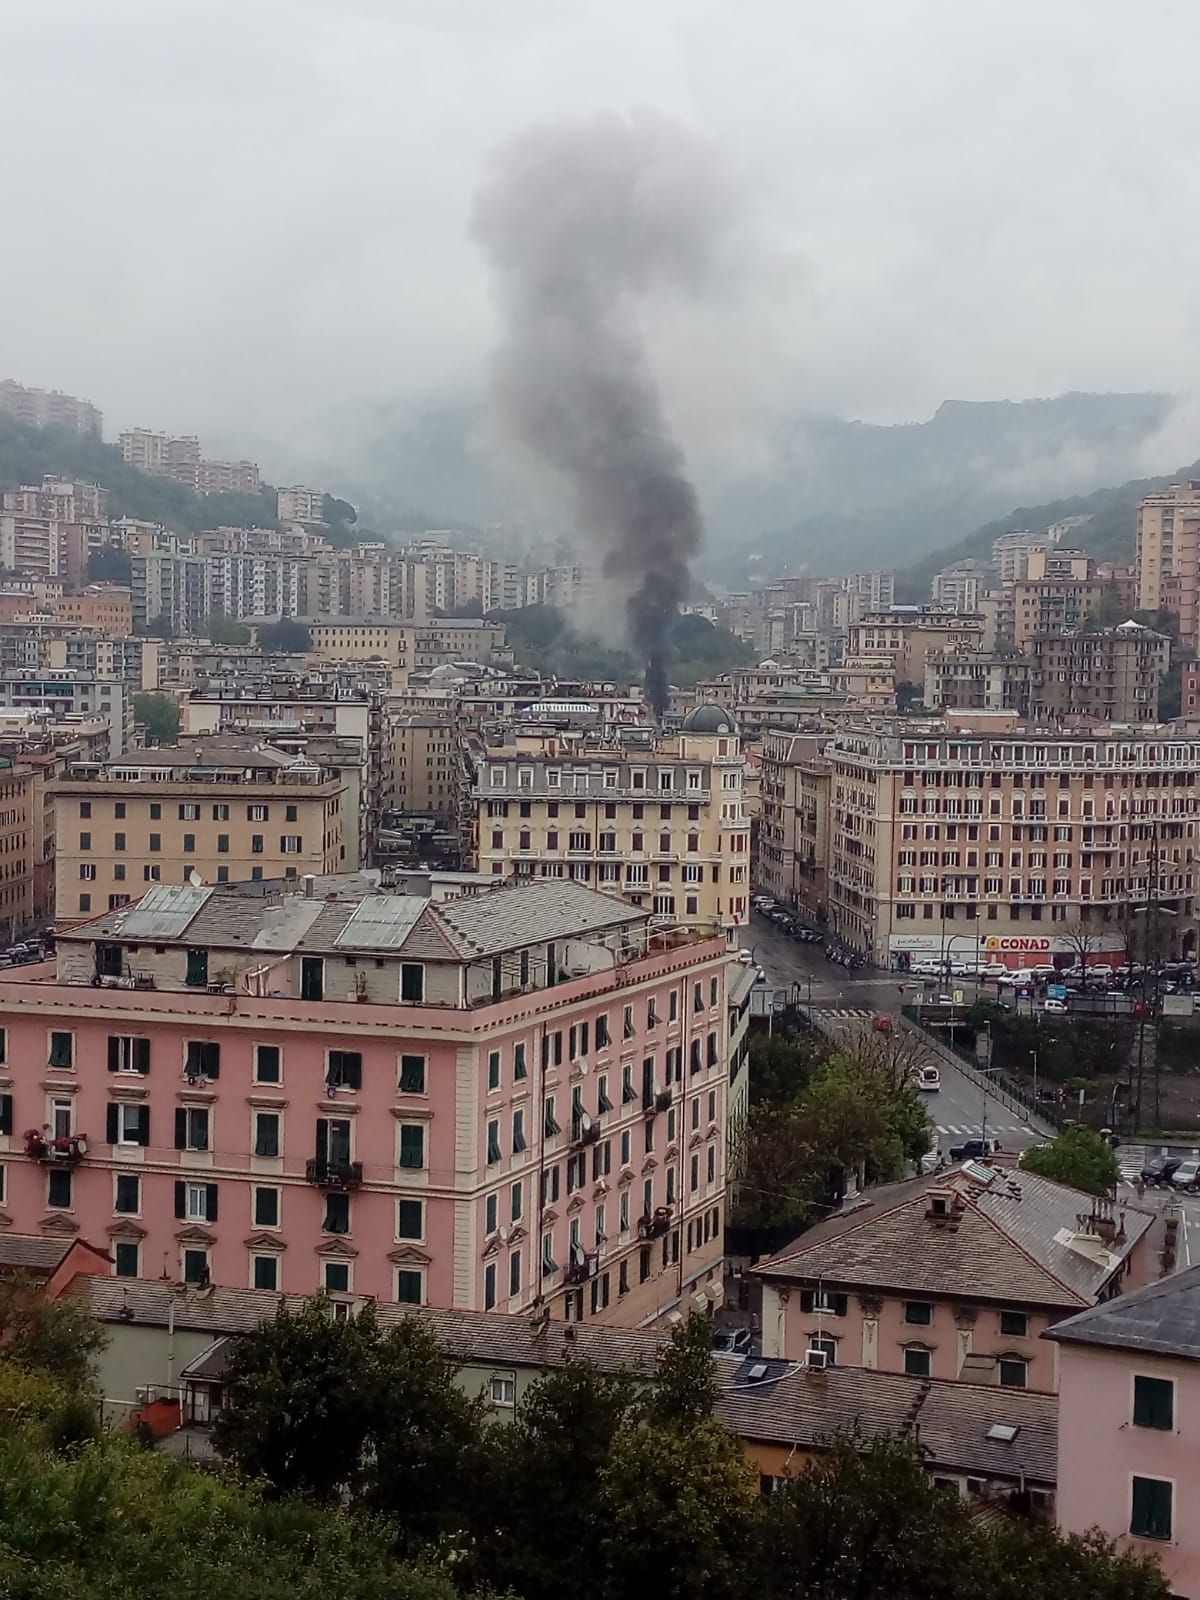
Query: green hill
x=1109 y=535
x=28 y=453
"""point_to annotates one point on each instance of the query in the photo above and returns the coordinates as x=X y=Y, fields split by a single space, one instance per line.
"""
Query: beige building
x=1112 y=674
x=1052 y=605
x=230 y=813
x=1167 y=565
x=20 y=844
x=664 y=825
x=793 y=831
x=1005 y=845
x=977 y=680
x=905 y=635
x=426 y=767
x=300 y=505
x=45 y=408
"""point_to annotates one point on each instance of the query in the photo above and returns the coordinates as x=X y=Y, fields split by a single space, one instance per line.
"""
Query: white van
x=929 y=1080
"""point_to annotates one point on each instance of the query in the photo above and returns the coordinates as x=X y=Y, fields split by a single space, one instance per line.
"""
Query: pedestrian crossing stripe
x=972 y=1131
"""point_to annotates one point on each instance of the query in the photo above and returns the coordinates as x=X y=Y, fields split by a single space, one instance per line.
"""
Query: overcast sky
x=235 y=217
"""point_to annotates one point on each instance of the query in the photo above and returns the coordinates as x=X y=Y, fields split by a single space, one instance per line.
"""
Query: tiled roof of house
x=1011 y=1236
x=950 y=1423
x=1160 y=1319
x=542 y=911
x=482 y=1338
x=26 y=1252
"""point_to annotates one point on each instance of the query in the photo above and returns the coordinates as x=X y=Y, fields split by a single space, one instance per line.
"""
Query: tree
x=777 y=1178
x=54 y=1337
x=335 y=510
x=287 y=636
x=678 y=1509
x=686 y=1387
x=298 y=1400
x=226 y=630
x=1077 y=1157
x=1081 y=938
x=780 y=1068
x=159 y=715
x=160 y=627
x=109 y=564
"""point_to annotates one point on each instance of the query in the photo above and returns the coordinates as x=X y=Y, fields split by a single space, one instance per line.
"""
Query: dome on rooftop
x=708 y=718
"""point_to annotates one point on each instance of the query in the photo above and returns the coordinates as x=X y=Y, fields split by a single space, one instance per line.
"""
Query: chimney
x=310 y=886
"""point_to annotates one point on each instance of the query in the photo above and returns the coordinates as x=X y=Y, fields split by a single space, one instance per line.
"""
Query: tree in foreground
x=159 y=715
x=1078 y=1157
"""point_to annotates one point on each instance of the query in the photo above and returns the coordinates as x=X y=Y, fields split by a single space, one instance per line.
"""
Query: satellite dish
x=583 y=1067
x=194 y=878
x=503 y=1235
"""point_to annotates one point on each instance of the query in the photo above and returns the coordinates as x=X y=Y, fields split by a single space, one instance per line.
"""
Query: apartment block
x=1112 y=674
x=49 y=530
x=977 y=680
x=145 y=450
x=960 y=587
x=1052 y=605
x=427 y=770
x=46 y=408
x=793 y=830
x=68 y=696
x=905 y=635
x=511 y=1100
x=666 y=826
x=228 y=477
x=1167 y=563
x=1003 y=846
x=300 y=505
x=19 y=847
x=220 y=811
x=107 y=607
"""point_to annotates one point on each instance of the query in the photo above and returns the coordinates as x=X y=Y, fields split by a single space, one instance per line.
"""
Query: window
x=550 y=1124
x=824 y=1300
x=337 y=1277
x=489 y=1286
x=85 y=841
x=58 y=1190
x=514 y=1273
x=343 y=1069
x=412 y=1074
x=1150 y=1514
x=196 y=1202
x=337 y=1213
x=195 y=1266
x=189 y=813
x=267 y=1064
x=518 y=1132
x=1014 y=1323
x=1013 y=1372
x=312 y=978
x=266 y=1272
x=1153 y=1403
x=191 y=1128
x=258 y=813
x=493 y=1069
x=519 y=1068
x=127 y=1054
x=410 y=1219
x=918 y=1313
x=202 y=1059
x=85 y=808
x=916 y=1361
x=197 y=969
x=266 y=1133
x=222 y=844
x=412 y=982
x=189 y=843
x=62 y=1049
x=290 y=844
x=603 y=1102
x=220 y=813
x=128 y=1124
x=87 y=872
x=516 y=1199
x=128 y=1198
x=493 y=1144
x=125 y=1257
x=412 y=1144
x=266 y=1208
x=409 y=1287
x=156 y=841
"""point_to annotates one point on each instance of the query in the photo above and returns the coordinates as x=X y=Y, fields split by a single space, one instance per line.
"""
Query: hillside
x=27 y=454
x=1109 y=535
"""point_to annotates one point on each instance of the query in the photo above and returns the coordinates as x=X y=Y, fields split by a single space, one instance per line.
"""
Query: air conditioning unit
x=147 y=1395
x=816 y=1360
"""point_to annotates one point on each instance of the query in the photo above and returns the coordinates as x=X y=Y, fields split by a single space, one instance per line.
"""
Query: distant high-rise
x=1167 y=569
x=49 y=408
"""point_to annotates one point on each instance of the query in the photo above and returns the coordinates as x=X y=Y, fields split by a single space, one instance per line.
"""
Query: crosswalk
x=971 y=1130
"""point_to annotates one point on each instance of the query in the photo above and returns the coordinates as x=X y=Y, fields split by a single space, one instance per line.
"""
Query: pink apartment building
x=1129 y=1424
x=509 y=1099
x=954 y=1276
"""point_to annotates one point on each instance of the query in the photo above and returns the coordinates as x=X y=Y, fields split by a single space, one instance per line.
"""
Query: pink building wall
x=456 y=1249
x=1101 y=1450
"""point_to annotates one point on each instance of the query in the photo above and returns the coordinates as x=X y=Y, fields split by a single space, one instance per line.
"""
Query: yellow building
x=229 y=813
x=426 y=763
x=663 y=824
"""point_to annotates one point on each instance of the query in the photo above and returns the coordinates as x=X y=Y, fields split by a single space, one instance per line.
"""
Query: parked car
x=1057 y=1007
x=745 y=957
x=732 y=1342
x=1160 y=1170
x=1186 y=1175
x=929 y=1080
x=974 y=1149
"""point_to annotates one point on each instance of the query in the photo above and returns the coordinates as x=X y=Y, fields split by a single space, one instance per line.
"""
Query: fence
x=1012 y=1096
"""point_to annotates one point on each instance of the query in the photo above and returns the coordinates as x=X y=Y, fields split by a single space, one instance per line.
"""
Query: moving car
x=1057 y=1007
x=732 y=1342
x=745 y=956
x=974 y=1149
x=1160 y=1169
x=1186 y=1175
x=929 y=1080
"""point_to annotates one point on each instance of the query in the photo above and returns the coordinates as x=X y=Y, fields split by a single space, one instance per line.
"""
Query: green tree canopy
x=109 y=564
x=1077 y=1157
x=158 y=714
x=226 y=630
x=286 y=635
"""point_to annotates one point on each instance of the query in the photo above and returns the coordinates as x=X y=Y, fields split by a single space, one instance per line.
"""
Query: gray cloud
x=245 y=217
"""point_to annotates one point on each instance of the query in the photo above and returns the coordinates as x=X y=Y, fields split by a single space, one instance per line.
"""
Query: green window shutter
x=114 y=1056
x=143 y=1125
x=180 y=1128
x=112 y=1125
x=1153 y=1403
x=1151 y=1511
x=141 y=1055
x=412 y=1074
x=6 y=1113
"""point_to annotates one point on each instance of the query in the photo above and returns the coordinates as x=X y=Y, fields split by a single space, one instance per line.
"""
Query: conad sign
x=1031 y=946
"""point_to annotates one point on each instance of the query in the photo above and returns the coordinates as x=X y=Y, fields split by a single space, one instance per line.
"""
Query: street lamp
x=1034 y=1054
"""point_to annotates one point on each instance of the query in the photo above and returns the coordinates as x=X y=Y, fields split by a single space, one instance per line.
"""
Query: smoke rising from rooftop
x=583 y=221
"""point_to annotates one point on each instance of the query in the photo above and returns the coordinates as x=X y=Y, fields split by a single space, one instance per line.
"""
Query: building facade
x=46 y=408
x=1167 y=563
x=793 y=831
x=509 y=1100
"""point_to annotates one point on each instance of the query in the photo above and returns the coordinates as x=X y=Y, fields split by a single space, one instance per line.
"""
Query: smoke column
x=580 y=220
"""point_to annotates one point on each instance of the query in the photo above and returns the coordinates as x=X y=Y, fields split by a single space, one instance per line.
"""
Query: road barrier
x=1006 y=1093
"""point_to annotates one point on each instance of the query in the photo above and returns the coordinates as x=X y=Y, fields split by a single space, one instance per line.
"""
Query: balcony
x=68 y=1150
x=333 y=1174
x=584 y=1130
x=655 y=1225
x=660 y=1100
x=581 y=1265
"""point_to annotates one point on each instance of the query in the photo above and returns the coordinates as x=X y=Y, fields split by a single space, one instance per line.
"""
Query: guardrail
x=1004 y=1091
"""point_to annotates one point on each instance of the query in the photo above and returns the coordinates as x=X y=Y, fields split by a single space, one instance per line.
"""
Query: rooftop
x=1004 y=1236
x=1160 y=1319
x=950 y=1423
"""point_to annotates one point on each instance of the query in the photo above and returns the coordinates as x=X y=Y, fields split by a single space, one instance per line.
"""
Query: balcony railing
x=333 y=1174
x=656 y=1224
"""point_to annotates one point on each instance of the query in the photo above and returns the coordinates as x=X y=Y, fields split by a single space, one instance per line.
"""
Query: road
x=848 y=1000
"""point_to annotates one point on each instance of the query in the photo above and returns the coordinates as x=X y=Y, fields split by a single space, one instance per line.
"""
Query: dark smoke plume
x=580 y=220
